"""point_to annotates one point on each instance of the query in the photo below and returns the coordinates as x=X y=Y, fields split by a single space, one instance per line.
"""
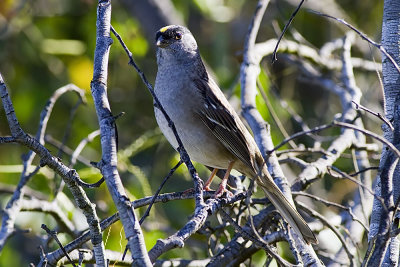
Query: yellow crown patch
x=163 y=29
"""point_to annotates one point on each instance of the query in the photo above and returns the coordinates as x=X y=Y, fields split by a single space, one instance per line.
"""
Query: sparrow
x=208 y=126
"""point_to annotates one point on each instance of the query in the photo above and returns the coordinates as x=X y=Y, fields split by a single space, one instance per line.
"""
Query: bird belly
x=199 y=142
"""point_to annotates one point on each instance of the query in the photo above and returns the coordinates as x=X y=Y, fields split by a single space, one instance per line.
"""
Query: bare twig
x=377 y=114
x=285 y=29
x=274 y=115
x=66 y=150
x=371 y=134
x=300 y=134
x=54 y=256
x=53 y=234
x=362 y=35
x=249 y=71
x=326 y=222
x=74 y=156
x=345 y=175
x=158 y=191
x=333 y=204
x=36 y=146
x=195 y=223
x=82 y=145
x=67 y=131
x=343 y=125
x=108 y=134
x=258 y=241
x=363 y=170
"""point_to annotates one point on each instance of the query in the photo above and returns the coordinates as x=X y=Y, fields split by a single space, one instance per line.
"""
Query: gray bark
x=383 y=248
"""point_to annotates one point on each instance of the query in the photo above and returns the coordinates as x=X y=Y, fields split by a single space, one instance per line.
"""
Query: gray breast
x=181 y=101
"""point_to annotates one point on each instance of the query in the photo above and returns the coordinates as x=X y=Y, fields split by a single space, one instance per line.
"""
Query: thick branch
x=249 y=71
x=108 y=164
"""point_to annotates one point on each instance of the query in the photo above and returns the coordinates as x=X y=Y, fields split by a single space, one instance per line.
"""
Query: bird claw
x=221 y=191
x=207 y=188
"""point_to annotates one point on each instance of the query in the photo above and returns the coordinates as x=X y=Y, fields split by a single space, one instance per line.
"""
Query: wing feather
x=223 y=122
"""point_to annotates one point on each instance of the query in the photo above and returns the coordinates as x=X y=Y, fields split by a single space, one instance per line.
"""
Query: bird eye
x=178 y=36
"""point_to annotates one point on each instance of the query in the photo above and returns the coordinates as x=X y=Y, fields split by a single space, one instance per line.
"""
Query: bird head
x=176 y=39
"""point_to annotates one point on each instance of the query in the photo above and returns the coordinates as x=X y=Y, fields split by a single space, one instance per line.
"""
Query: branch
x=319 y=169
x=259 y=242
x=285 y=29
x=86 y=256
x=56 y=255
x=53 y=235
x=108 y=163
x=36 y=147
x=363 y=36
x=195 y=223
x=249 y=71
x=332 y=227
x=376 y=114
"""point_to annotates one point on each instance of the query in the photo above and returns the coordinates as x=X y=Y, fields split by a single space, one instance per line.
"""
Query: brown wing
x=221 y=121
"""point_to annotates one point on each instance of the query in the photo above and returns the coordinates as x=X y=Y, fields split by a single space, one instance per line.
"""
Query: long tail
x=286 y=209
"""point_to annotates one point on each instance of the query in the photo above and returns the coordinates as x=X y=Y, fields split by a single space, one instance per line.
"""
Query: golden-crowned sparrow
x=210 y=130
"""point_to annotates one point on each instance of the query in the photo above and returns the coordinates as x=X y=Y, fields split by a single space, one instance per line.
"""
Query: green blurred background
x=46 y=44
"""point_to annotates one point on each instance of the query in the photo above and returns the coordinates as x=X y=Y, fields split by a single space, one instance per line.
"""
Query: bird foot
x=207 y=188
x=221 y=191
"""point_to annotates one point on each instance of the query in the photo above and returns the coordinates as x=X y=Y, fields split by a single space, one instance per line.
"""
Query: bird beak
x=161 y=42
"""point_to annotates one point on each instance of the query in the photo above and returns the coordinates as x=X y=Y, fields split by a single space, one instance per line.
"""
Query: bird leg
x=206 y=186
x=209 y=180
x=222 y=186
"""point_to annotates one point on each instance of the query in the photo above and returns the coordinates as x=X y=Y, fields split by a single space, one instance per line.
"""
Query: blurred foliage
x=46 y=44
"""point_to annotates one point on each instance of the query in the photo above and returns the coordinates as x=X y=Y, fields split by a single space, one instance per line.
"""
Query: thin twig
x=53 y=234
x=363 y=170
x=285 y=29
x=377 y=114
x=66 y=150
x=275 y=116
x=330 y=203
x=326 y=222
x=345 y=175
x=255 y=240
x=147 y=213
x=89 y=185
x=362 y=35
x=54 y=256
x=299 y=134
x=343 y=125
x=369 y=133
